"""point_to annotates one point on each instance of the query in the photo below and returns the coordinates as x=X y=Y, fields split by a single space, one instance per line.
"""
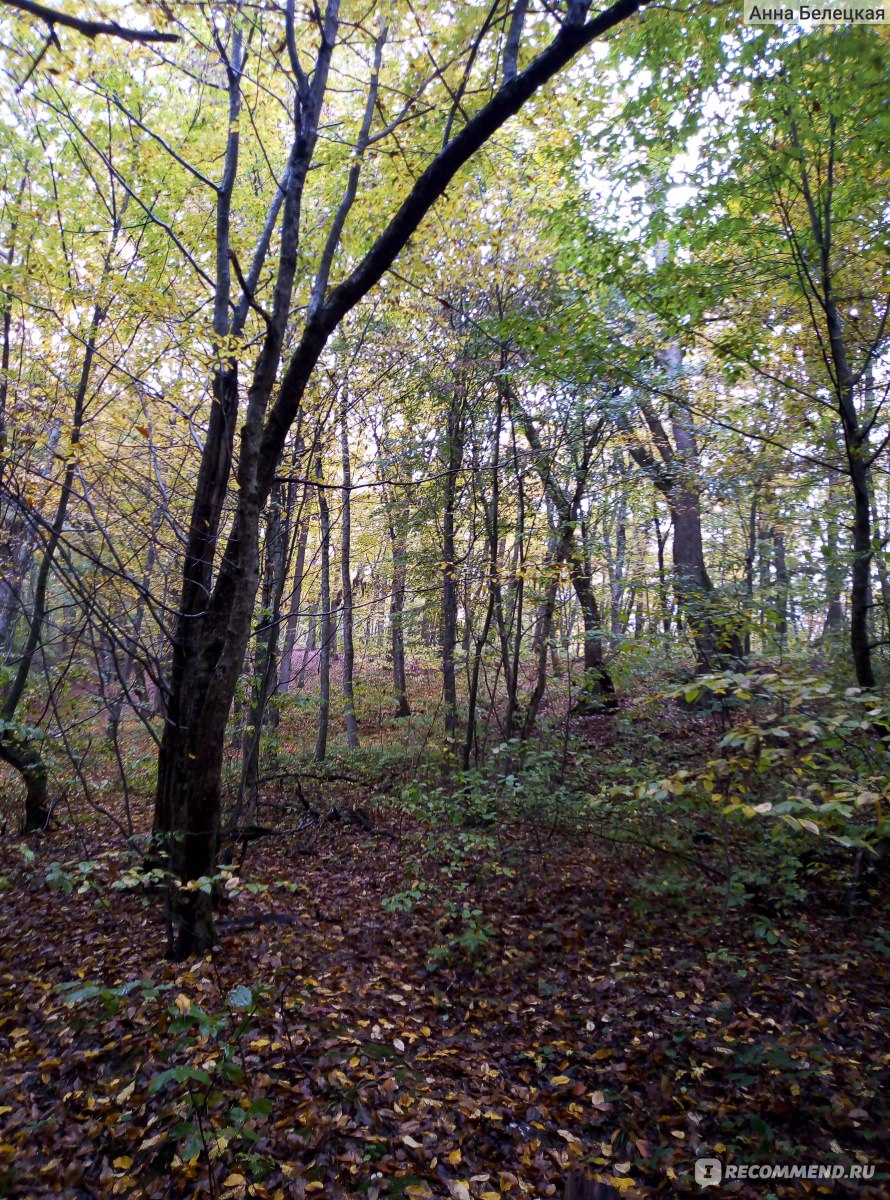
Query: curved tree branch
x=89 y=29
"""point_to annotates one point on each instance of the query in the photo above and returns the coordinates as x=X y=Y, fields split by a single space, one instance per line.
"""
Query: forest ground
x=403 y=1006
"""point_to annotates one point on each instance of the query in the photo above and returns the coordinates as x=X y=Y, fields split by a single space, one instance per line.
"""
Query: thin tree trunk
x=265 y=652
x=492 y=528
x=663 y=594
x=750 y=556
x=544 y=635
x=397 y=609
x=324 y=667
x=346 y=578
x=598 y=688
x=286 y=666
x=512 y=665
x=126 y=670
x=454 y=449
x=881 y=563
x=834 y=574
x=781 y=587
x=856 y=432
x=309 y=654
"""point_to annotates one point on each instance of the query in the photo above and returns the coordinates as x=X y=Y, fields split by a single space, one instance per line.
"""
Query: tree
x=215 y=606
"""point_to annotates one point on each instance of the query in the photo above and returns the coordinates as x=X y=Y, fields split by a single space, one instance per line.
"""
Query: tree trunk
x=286 y=666
x=346 y=578
x=492 y=528
x=598 y=690
x=309 y=655
x=265 y=652
x=543 y=635
x=126 y=670
x=856 y=432
x=397 y=608
x=781 y=587
x=454 y=450
x=750 y=556
x=23 y=758
x=663 y=595
x=834 y=573
x=324 y=662
x=691 y=581
x=860 y=593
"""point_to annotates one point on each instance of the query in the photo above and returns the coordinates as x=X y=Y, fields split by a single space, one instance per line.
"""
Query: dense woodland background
x=444 y=510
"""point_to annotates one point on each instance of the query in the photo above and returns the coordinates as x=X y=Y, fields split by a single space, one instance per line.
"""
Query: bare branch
x=116 y=101
x=89 y=29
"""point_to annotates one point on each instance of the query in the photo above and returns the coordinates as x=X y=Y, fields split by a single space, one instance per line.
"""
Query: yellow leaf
x=234 y=1180
x=183 y=1004
x=621 y=1182
x=123 y=1163
x=315 y=1186
x=459 y=1190
x=560 y=1080
x=604 y=1053
x=455 y=1157
x=570 y=1138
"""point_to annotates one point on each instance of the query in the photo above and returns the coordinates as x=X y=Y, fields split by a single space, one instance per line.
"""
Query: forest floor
x=386 y=1015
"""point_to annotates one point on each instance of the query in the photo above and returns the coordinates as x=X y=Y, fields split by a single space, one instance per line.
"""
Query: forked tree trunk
x=598 y=690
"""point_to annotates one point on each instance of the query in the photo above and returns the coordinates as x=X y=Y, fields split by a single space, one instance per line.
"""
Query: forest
x=444 y=600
